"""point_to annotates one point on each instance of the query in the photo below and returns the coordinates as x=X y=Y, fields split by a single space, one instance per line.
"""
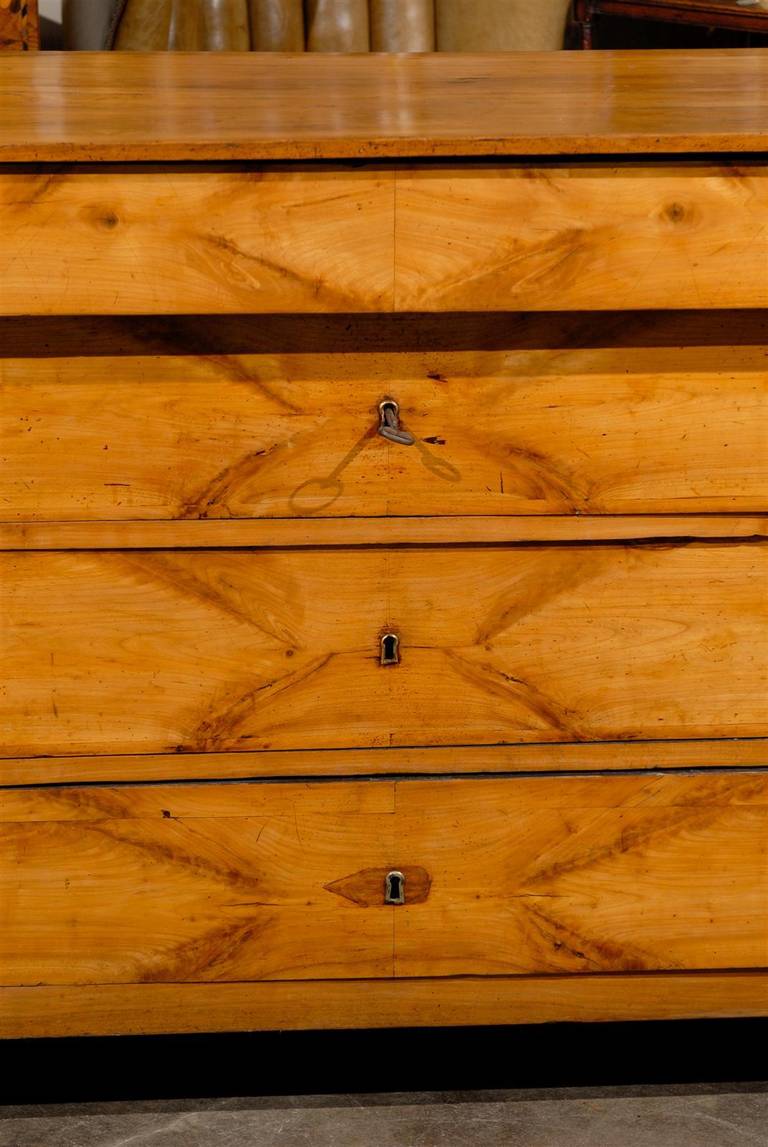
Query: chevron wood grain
x=133 y=242
x=586 y=875
x=220 y=883
x=472 y=238
x=230 y=897
x=160 y=651
x=602 y=430
x=487 y=237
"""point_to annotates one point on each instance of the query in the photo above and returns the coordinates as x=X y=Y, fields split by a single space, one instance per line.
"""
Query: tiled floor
x=710 y=1115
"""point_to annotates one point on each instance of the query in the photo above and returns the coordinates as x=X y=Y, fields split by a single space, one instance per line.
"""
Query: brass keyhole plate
x=394 y=887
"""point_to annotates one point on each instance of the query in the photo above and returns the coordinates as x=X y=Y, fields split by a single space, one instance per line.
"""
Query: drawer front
x=316 y=238
x=591 y=237
x=164 y=651
x=287 y=882
x=144 y=241
x=624 y=428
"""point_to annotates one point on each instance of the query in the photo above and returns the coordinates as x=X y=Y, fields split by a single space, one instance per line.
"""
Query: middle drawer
x=163 y=651
x=529 y=421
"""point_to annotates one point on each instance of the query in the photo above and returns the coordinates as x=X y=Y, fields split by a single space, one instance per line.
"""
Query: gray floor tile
x=629 y=1117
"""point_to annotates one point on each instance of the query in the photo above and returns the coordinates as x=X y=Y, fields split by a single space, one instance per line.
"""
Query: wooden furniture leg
x=583 y=19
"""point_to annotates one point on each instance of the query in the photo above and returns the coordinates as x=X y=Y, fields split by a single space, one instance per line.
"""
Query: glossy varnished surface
x=114 y=106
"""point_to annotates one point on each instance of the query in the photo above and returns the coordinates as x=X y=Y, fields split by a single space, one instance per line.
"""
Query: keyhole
x=394 y=888
x=390 y=649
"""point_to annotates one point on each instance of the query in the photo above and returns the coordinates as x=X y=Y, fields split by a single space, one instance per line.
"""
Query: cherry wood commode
x=383 y=541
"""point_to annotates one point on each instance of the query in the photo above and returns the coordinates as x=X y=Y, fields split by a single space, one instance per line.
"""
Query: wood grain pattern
x=441 y=761
x=142 y=241
x=606 y=874
x=159 y=651
x=236 y=882
x=266 y=106
x=230 y=897
x=275 y=533
x=143 y=1009
x=470 y=238
x=515 y=431
x=552 y=238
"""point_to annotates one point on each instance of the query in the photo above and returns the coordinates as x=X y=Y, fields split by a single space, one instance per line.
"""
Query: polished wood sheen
x=518 y=431
x=154 y=651
x=141 y=1009
x=502 y=877
x=316 y=239
x=83 y=106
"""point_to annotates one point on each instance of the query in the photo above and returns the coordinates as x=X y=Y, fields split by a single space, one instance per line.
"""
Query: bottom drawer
x=253 y=881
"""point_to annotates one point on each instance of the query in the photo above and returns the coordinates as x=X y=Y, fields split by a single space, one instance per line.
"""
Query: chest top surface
x=110 y=107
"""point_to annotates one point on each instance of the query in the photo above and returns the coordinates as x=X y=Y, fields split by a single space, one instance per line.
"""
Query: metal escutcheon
x=390 y=649
x=389 y=423
x=394 y=888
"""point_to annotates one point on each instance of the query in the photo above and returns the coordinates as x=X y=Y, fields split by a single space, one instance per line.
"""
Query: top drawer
x=473 y=237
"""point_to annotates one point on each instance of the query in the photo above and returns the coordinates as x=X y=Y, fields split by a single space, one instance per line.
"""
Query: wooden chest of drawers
x=382 y=541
